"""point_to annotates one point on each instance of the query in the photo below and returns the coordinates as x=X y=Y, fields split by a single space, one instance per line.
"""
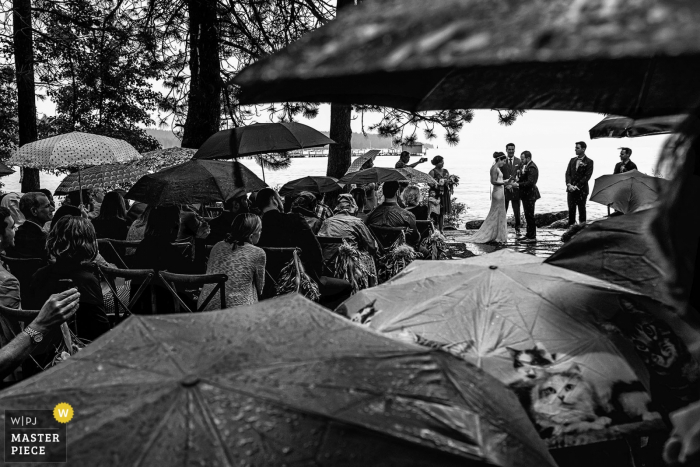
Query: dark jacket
x=421 y=212
x=90 y=319
x=390 y=214
x=30 y=242
x=508 y=171
x=114 y=228
x=528 y=182
x=579 y=177
x=629 y=166
x=220 y=227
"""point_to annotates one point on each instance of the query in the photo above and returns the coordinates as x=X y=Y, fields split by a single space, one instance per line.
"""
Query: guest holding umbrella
x=111 y=222
x=442 y=176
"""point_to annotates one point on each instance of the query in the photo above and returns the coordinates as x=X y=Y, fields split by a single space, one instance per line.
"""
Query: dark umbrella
x=311 y=184
x=627 y=191
x=615 y=126
x=5 y=170
x=260 y=138
x=195 y=182
x=628 y=57
x=374 y=175
x=618 y=250
x=281 y=382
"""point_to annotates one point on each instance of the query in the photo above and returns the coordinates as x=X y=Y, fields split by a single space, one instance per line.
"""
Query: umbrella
x=626 y=57
x=280 y=382
x=627 y=191
x=374 y=175
x=260 y=138
x=5 y=170
x=311 y=184
x=508 y=301
x=360 y=161
x=618 y=250
x=73 y=150
x=195 y=182
x=107 y=176
x=416 y=176
x=614 y=126
x=160 y=159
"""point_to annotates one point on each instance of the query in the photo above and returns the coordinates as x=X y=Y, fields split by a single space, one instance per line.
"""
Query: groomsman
x=529 y=194
x=512 y=194
x=578 y=173
x=625 y=164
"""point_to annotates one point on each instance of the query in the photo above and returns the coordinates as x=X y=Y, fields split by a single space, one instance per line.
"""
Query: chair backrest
x=171 y=281
x=279 y=255
x=110 y=254
x=425 y=228
x=23 y=269
x=142 y=276
x=386 y=236
x=330 y=240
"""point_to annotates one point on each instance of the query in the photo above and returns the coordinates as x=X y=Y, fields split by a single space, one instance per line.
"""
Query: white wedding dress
x=494 y=228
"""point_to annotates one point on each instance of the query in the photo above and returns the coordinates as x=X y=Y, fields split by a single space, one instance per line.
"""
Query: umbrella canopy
x=627 y=57
x=160 y=159
x=619 y=250
x=615 y=126
x=5 y=170
x=261 y=138
x=281 y=382
x=416 y=176
x=627 y=191
x=107 y=176
x=311 y=184
x=73 y=150
x=360 y=161
x=374 y=175
x=195 y=182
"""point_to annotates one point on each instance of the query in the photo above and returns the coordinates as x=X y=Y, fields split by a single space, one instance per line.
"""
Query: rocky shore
x=548 y=220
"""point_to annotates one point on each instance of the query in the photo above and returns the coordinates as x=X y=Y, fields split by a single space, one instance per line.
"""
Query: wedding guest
x=625 y=164
x=241 y=261
x=138 y=228
x=323 y=212
x=578 y=173
x=11 y=202
x=66 y=210
x=111 y=222
x=404 y=158
x=30 y=239
x=305 y=205
x=510 y=169
x=346 y=225
x=444 y=188
x=220 y=226
x=390 y=214
x=412 y=200
x=434 y=205
x=358 y=194
x=9 y=285
x=48 y=194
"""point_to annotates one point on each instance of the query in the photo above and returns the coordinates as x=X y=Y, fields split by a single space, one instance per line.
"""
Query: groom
x=529 y=194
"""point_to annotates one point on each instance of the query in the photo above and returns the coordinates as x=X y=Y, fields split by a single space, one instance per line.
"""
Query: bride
x=494 y=227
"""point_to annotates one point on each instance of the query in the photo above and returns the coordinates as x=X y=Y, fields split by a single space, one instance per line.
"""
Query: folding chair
x=425 y=228
x=171 y=280
x=129 y=247
x=142 y=276
x=280 y=255
x=386 y=236
x=23 y=269
x=109 y=253
x=329 y=245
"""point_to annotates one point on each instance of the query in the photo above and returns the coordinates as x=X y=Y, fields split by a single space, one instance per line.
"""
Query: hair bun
x=498 y=155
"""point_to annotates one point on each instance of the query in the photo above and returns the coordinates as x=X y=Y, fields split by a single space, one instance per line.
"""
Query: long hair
x=112 y=206
x=243 y=226
x=72 y=239
x=163 y=221
x=411 y=195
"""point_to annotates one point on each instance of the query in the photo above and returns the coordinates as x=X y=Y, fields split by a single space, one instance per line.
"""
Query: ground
x=549 y=240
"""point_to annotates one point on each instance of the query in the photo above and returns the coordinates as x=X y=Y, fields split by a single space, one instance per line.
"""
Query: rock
x=547 y=218
x=473 y=225
x=560 y=224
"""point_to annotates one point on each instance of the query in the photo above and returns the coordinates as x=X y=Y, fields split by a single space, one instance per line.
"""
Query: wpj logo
x=37 y=435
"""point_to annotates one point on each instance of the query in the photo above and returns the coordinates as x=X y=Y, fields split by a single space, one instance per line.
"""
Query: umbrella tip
x=493 y=267
x=189 y=381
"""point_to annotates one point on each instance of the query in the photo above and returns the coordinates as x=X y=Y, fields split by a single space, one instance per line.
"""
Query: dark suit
x=627 y=167
x=578 y=178
x=30 y=242
x=529 y=194
x=512 y=195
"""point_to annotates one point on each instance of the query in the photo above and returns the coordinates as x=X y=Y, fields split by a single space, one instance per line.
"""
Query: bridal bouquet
x=453 y=180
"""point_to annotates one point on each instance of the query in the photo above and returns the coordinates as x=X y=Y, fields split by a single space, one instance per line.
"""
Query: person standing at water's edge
x=625 y=164
x=578 y=173
x=529 y=194
x=444 y=189
x=512 y=193
x=405 y=157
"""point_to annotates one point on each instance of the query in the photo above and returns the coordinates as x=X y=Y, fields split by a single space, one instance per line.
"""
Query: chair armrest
x=194 y=279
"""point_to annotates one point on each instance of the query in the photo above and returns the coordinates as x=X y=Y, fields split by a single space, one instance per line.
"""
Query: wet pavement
x=548 y=241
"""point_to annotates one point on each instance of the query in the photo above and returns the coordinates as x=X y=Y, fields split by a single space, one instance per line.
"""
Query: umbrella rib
x=155 y=433
x=208 y=418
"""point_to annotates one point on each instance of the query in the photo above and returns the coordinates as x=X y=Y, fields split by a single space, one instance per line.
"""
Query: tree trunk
x=204 y=100
x=24 y=71
x=339 y=155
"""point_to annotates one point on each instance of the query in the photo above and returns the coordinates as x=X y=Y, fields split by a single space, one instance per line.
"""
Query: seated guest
x=192 y=226
x=412 y=198
x=11 y=202
x=111 y=222
x=358 y=194
x=58 y=309
x=30 y=239
x=9 y=285
x=66 y=210
x=138 y=229
x=73 y=245
x=389 y=214
x=323 y=212
x=291 y=230
x=344 y=224
x=73 y=198
x=135 y=212
x=305 y=205
x=241 y=261
x=220 y=226
x=48 y=194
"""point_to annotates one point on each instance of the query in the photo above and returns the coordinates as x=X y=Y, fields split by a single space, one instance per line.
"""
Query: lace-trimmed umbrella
x=615 y=126
x=625 y=57
x=107 y=177
x=284 y=381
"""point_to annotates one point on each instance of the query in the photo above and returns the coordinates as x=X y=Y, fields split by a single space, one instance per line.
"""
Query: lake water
x=472 y=165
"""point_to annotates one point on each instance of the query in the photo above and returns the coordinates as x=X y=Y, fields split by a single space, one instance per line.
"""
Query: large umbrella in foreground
x=312 y=184
x=261 y=138
x=195 y=182
x=619 y=250
x=626 y=57
x=374 y=175
x=281 y=382
x=107 y=176
x=627 y=191
x=615 y=126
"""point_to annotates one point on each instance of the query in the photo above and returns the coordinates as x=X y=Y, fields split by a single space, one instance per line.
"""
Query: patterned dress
x=245 y=268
